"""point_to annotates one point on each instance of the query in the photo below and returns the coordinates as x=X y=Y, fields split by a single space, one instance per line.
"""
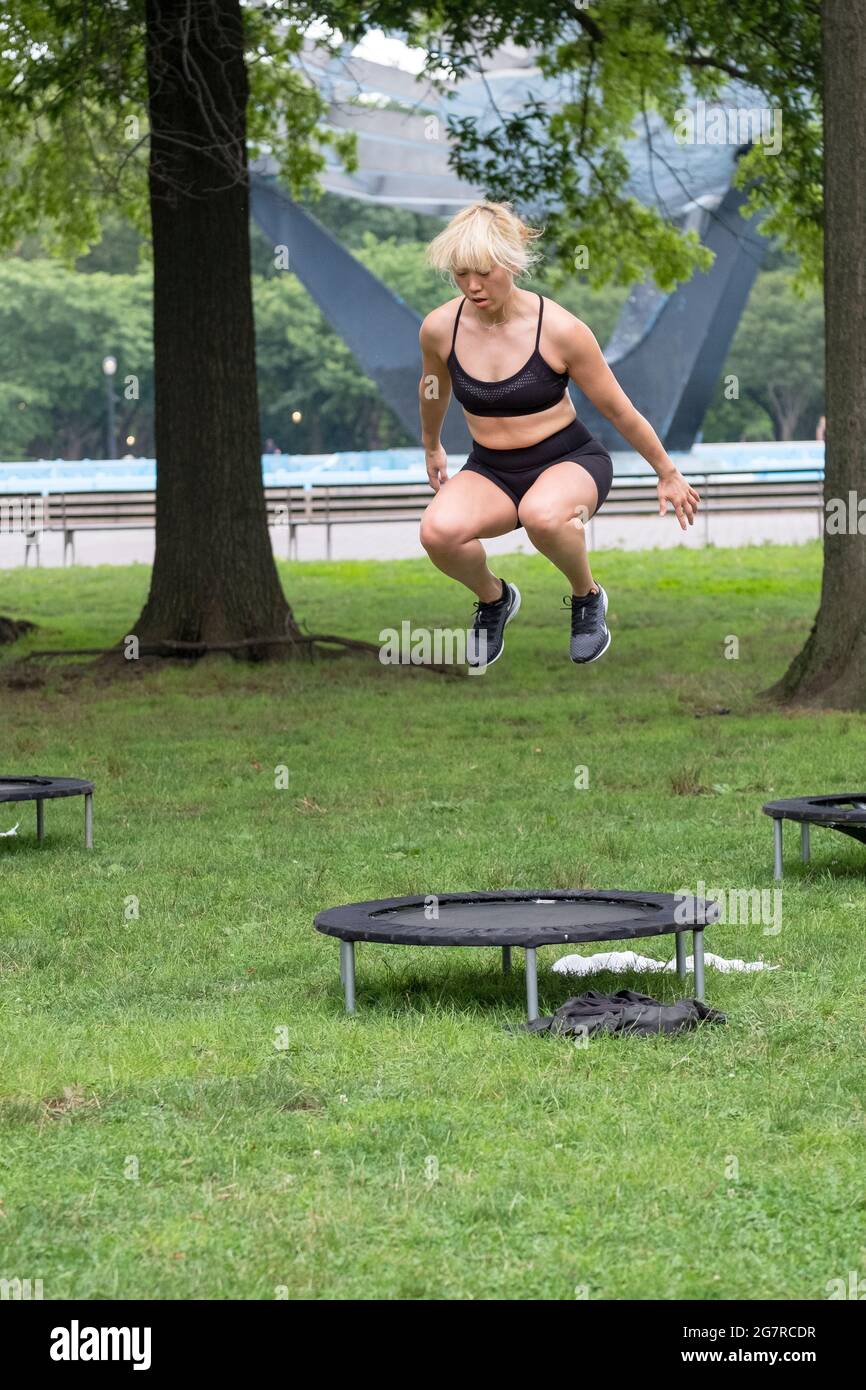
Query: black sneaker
x=590 y=637
x=487 y=639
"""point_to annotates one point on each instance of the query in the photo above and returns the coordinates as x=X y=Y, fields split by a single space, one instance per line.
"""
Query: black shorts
x=515 y=470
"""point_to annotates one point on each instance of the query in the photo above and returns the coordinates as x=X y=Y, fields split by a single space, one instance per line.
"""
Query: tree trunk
x=831 y=668
x=214 y=577
x=315 y=433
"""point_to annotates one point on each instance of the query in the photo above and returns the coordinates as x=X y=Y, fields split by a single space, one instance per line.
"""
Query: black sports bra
x=535 y=387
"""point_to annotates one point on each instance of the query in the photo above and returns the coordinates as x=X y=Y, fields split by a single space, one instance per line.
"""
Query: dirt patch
x=73 y=1099
x=22 y=678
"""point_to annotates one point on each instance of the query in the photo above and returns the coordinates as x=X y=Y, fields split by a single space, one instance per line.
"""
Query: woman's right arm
x=434 y=393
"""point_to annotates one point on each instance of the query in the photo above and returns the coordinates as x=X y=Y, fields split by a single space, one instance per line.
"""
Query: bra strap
x=456 y=321
x=540 y=316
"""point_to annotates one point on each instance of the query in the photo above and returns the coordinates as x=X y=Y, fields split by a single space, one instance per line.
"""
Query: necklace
x=500 y=323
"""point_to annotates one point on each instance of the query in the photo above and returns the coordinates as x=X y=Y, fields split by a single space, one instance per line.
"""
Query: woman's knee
x=437 y=534
x=547 y=519
x=539 y=518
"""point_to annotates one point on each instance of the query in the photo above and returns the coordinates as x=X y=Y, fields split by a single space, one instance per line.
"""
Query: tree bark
x=831 y=668
x=214 y=577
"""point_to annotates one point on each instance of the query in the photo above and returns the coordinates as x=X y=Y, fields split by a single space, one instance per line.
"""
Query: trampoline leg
x=40 y=821
x=88 y=820
x=506 y=960
x=804 y=841
x=681 y=954
x=777 y=850
x=698 y=953
x=531 y=983
x=347 y=973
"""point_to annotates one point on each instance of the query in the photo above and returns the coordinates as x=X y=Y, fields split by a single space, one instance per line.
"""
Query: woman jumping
x=533 y=464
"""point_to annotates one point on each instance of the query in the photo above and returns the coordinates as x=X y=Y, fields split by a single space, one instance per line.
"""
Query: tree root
x=168 y=648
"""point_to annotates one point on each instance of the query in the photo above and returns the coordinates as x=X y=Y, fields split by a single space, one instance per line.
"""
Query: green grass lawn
x=156 y=1143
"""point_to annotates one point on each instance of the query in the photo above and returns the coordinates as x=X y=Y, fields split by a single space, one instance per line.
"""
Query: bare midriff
x=520 y=431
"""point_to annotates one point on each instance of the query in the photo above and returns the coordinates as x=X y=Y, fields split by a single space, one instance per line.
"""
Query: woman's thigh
x=468 y=507
x=564 y=492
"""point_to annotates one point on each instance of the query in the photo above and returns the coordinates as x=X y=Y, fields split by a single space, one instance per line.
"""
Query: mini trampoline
x=845 y=811
x=527 y=919
x=42 y=789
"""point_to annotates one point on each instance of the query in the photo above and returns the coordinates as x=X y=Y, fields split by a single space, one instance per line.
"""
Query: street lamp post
x=109 y=367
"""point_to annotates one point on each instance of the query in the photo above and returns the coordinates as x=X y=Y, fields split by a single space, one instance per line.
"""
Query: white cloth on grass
x=618 y=962
x=13 y=831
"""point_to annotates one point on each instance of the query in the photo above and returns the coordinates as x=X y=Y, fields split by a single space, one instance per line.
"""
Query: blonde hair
x=481 y=235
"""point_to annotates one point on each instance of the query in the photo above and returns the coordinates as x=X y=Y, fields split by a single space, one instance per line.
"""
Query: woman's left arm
x=590 y=372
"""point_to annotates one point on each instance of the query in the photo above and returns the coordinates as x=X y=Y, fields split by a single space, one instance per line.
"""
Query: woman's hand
x=436 y=460
x=682 y=496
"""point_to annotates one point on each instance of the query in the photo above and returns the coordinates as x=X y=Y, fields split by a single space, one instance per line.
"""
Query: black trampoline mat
x=541 y=913
x=514 y=918
x=42 y=788
x=857 y=802
x=845 y=806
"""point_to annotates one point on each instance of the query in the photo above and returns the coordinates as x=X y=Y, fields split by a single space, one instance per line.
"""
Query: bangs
x=481 y=236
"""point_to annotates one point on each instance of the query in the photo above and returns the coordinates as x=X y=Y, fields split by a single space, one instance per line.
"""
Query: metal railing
x=799 y=487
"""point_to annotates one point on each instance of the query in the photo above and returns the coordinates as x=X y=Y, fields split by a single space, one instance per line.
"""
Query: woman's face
x=488 y=288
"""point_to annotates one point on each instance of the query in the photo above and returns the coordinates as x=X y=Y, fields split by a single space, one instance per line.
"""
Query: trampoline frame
x=42 y=789
x=815 y=810
x=353 y=922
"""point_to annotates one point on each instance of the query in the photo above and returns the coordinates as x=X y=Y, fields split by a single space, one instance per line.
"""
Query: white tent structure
x=667 y=350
